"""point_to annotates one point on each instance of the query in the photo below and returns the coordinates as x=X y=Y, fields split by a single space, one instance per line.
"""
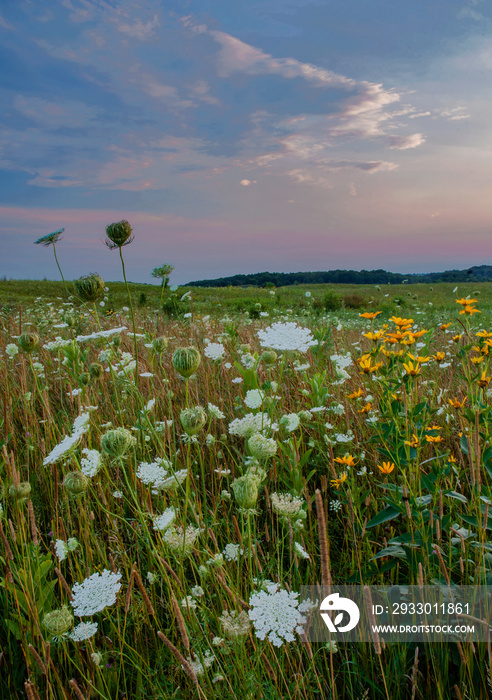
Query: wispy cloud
x=402 y=143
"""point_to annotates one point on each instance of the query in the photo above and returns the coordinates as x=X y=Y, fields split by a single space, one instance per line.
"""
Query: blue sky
x=239 y=137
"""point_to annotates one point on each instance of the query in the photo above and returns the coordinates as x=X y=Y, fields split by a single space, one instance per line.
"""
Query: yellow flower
x=455 y=403
x=414 y=442
x=419 y=334
x=356 y=394
x=483 y=381
x=411 y=369
x=402 y=322
x=374 y=336
x=466 y=302
x=469 y=310
x=433 y=438
x=457 y=337
x=387 y=467
x=370 y=314
x=419 y=358
x=366 y=408
x=476 y=360
x=452 y=459
x=346 y=459
x=483 y=334
x=338 y=482
x=439 y=356
x=409 y=340
x=366 y=366
x=397 y=336
x=444 y=326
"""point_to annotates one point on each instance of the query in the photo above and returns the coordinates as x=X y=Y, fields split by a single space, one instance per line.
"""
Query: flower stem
x=133 y=317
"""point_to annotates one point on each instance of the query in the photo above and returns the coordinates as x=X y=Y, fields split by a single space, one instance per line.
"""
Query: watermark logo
x=333 y=603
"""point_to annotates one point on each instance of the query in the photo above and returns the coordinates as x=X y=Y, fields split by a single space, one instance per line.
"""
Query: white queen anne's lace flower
x=250 y=424
x=253 y=398
x=276 y=614
x=84 y=630
x=80 y=426
x=162 y=522
x=95 y=593
x=91 y=463
x=287 y=336
x=214 y=351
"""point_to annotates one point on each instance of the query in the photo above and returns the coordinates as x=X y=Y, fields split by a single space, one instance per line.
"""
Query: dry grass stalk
x=326 y=578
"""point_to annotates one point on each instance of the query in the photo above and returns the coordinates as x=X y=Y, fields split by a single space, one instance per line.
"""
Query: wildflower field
x=175 y=468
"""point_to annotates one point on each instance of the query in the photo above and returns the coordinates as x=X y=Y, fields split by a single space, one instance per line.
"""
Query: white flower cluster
x=286 y=504
x=156 y=475
x=214 y=351
x=91 y=463
x=287 y=336
x=95 y=593
x=290 y=422
x=276 y=614
x=11 y=350
x=83 y=631
x=100 y=334
x=232 y=552
x=214 y=411
x=162 y=522
x=80 y=426
x=57 y=344
x=250 y=424
x=341 y=363
x=253 y=398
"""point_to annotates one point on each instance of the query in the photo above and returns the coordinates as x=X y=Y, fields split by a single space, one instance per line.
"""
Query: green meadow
x=177 y=463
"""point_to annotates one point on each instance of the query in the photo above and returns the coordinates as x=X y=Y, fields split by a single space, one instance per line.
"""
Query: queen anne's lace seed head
x=262 y=448
x=235 y=624
x=181 y=541
x=95 y=593
x=286 y=504
x=275 y=614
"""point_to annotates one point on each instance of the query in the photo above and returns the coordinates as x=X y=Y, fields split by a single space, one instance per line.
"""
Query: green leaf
x=389 y=513
x=455 y=494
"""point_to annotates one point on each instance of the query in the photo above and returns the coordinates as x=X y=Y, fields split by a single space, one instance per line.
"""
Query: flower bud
x=28 y=342
x=58 y=622
x=160 y=344
x=246 y=491
x=89 y=287
x=186 y=361
x=119 y=234
x=84 y=379
x=21 y=491
x=76 y=483
x=193 y=419
x=262 y=448
x=244 y=348
x=116 y=443
x=96 y=370
x=269 y=357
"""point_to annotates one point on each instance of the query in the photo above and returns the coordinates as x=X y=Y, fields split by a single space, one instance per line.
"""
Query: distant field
x=219 y=299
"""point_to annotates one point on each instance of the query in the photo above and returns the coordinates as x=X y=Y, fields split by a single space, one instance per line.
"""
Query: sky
x=238 y=137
